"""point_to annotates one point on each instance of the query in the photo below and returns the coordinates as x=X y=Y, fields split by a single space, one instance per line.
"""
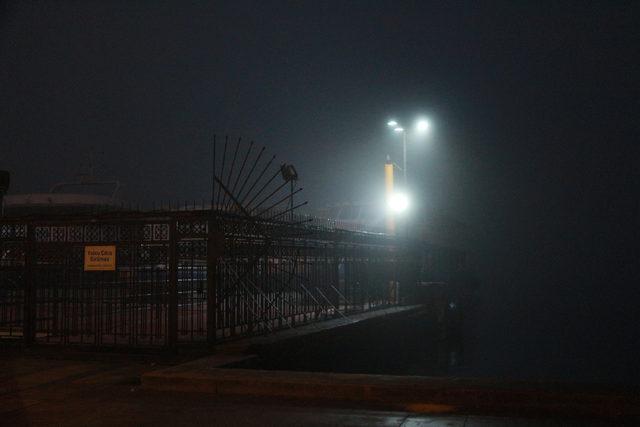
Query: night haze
x=533 y=144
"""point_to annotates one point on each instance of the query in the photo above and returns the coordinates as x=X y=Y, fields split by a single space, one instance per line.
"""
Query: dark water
x=419 y=344
x=415 y=344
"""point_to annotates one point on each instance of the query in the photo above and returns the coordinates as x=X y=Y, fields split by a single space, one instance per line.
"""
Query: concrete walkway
x=87 y=389
x=408 y=393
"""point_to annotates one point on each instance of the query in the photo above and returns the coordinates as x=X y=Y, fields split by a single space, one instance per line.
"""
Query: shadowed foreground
x=54 y=388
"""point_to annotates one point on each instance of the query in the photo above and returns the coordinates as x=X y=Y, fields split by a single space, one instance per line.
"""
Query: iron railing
x=184 y=276
x=244 y=263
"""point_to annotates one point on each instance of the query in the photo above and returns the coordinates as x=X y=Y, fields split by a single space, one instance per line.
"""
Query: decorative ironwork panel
x=13 y=231
x=130 y=232
x=199 y=228
x=109 y=233
x=192 y=228
x=92 y=233
x=75 y=233
x=153 y=255
x=184 y=228
x=144 y=254
x=147 y=232
x=58 y=234
x=184 y=249
x=192 y=249
x=160 y=231
x=43 y=234
x=159 y=255
x=12 y=254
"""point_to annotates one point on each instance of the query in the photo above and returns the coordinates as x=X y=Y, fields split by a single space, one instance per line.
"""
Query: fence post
x=215 y=245
x=29 y=287
x=173 y=284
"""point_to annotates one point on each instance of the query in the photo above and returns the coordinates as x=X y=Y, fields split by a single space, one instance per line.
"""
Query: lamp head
x=398 y=202
x=423 y=126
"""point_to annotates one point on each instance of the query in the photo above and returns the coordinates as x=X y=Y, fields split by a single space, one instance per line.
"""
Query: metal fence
x=246 y=263
x=181 y=277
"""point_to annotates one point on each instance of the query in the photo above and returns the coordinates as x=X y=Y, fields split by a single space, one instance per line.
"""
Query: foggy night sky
x=535 y=107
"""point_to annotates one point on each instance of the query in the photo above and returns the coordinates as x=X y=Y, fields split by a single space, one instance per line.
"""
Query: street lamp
x=422 y=126
x=398 y=202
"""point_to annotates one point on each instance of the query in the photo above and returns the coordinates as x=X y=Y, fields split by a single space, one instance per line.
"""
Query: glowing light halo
x=398 y=202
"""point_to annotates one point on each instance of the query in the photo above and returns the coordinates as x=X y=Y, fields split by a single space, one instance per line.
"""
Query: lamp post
x=421 y=127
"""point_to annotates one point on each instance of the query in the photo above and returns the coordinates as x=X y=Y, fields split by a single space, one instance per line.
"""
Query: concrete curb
x=412 y=393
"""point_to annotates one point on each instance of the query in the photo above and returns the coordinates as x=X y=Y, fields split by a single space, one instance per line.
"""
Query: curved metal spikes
x=246 y=183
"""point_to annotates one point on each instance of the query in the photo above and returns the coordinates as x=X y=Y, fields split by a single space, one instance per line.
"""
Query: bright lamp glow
x=392 y=123
x=399 y=129
x=398 y=202
x=422 y=125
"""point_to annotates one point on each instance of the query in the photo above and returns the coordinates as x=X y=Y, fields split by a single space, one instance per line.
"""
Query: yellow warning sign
x=100 y=258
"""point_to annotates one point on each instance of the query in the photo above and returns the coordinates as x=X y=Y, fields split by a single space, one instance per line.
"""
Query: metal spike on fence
x=251 y=170
x=244 y=162
x=243 y=184
x=231 y=167
x=257 y=180
x=224 y=156
x=213 y=171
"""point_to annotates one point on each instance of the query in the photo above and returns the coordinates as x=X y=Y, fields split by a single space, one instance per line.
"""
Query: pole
x=388 y=184
x=404 y=170
x=404 y=156
x=215 y=245
x=172 y=339
x=29 y=322
x=292 y=181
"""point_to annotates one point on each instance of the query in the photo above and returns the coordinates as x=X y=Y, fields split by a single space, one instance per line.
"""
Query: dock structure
x=244 y=263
